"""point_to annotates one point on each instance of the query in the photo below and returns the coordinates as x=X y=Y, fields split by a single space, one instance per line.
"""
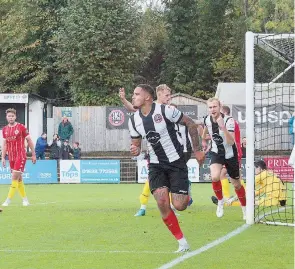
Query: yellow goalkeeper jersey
x=270 y=185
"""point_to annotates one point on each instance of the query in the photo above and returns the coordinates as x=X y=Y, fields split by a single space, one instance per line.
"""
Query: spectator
x=292 y=127
x=244 y=144
x=41 y=146
x=66 y=150
x=76 y=151
x=65 y=129
x=55 y=151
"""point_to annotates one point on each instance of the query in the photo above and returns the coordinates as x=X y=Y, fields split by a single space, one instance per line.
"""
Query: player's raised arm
x=125 y=102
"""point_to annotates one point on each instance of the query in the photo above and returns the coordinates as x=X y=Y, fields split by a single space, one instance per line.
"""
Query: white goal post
x=281 y=47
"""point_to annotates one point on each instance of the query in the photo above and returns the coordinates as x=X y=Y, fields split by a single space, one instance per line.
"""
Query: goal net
x=269 y=111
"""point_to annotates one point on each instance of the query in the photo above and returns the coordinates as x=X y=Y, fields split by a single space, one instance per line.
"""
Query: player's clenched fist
x=34 y=159
x=220 y=123
x=200 y=157
x=122 y=93
x=134 y=150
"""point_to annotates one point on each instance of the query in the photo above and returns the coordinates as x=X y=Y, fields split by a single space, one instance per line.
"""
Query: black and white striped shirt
x=186 y=138
x=158 y=128
x=219 y=144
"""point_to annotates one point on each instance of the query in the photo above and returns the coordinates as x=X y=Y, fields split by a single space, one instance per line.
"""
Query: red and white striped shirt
x=15 y=140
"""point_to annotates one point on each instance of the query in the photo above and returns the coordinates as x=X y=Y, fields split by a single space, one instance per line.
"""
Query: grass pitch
x=92 y=226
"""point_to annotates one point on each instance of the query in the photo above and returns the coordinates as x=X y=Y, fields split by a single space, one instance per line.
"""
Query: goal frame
x=250 y=117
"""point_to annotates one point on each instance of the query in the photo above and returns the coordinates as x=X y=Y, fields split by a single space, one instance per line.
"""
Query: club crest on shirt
x=158 y=118
x=16 y=132
x=153 y=137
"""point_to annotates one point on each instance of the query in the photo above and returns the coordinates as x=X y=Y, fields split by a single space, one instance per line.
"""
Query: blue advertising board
x=43 y=172
x=100 y=171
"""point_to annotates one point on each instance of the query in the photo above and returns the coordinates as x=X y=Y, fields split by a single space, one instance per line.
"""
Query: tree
x=194 y=28
x=27 y=48
x=229 y=64
x=153 y=36
x=98 y=48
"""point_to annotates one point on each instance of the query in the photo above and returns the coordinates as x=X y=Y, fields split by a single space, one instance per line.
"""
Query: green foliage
x=27 y=58
x=97 y=47
x=83 y=51
x=271 y=16
x=193 y=30
x=153 y=36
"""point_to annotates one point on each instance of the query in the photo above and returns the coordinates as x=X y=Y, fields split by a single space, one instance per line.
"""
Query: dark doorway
x=20 y=113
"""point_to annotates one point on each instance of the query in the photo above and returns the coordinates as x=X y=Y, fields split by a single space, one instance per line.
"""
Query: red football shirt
x=15 y=140
x=238 y=139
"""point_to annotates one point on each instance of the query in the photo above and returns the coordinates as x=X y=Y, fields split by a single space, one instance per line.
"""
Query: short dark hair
x=260 y=164
x=147 y=88
x=226 y=109
x=77 y=143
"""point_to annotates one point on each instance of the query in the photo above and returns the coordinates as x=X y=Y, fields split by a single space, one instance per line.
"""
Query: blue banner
x=100 y=171
x=43 y=172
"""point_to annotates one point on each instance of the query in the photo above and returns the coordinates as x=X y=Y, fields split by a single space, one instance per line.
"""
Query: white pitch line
x=45 y=203
x=205 y=248
x=82 y=251
x=33 y=204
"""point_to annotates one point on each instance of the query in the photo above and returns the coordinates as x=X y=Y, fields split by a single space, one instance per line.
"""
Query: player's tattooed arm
x=135 y=147
x=193 y=131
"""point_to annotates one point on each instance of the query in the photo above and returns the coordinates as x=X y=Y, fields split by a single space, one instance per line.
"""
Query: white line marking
x=205 y=248
x=83 y=251
x=45 y=203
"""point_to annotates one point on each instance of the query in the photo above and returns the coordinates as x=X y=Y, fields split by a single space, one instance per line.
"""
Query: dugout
x=31 y=111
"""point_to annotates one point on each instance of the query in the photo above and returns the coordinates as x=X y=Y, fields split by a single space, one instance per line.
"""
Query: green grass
x=87 y=218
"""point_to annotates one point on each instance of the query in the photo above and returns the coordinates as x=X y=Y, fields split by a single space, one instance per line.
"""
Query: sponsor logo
x=273 y=114
x=153 y=137
x=70 y=171
x=217 y=139
x=158 y=118
x=182 y=191
x=116 y=117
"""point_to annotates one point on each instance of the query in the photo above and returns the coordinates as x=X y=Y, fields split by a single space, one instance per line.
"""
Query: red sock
x=241 y=195
x=217 y=188
x=173 y=225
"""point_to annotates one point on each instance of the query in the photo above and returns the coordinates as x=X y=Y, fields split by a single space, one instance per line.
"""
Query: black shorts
x=232 y=165
x=173 y=176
